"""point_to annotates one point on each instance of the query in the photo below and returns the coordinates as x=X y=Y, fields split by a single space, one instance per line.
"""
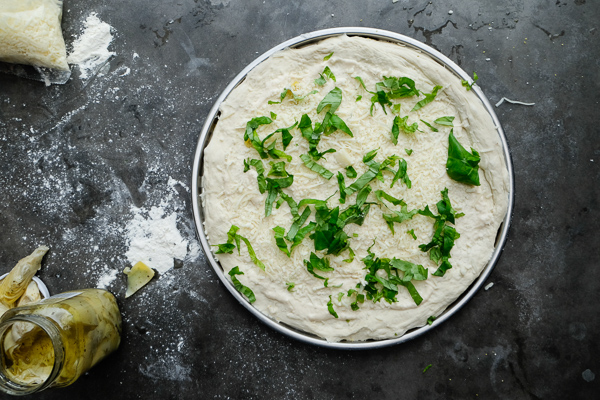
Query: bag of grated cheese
x=30 y=33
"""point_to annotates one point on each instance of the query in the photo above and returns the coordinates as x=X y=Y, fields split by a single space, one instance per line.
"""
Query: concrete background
x=77 y=161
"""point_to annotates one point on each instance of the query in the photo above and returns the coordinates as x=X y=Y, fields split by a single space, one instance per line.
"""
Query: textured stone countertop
x=85 y=165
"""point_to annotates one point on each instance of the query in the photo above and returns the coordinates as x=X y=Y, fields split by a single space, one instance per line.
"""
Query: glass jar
x=52 y=342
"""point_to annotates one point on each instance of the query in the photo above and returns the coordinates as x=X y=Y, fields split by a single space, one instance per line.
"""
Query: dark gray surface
x=75 y=158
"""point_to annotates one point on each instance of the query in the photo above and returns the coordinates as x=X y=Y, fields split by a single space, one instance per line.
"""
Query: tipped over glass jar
x=54 y=341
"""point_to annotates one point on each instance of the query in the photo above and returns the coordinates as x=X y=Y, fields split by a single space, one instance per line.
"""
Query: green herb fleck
x=401 y=124
x=468 y=85
x=412 y=233
x=245 y=290
x=328 y=56
x=426 y=368
x=433 y=128
x=430 y=320
x=330 y=307
x=408 y=151
x=280 y=241
x=351 y=172
x=321 y=80
x=462 y=166
x=290 y=286
x=446 y=121
x=319 y=169
x=429 y=97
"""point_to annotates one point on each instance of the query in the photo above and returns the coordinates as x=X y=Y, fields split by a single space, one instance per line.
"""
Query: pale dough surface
x=231 y=196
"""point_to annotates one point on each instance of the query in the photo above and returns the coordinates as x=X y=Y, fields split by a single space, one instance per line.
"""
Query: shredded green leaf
x=446 y=121
x=429 y=97
x=245 y=290
x=401 y=124
x=433 y=128
x=330 y=307
x=462 y=166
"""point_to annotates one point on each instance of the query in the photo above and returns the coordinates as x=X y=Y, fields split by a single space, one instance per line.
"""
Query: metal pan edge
x=204 y=137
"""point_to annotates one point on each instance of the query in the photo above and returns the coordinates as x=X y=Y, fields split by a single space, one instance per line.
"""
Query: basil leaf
x=299 y=237
x=285 y=92
x=325 y=74
x=332 y=99
x=430 y=321
x=400 y=124
x=330 y=308
x=253 y=124
x=273 y=116
x=427 y=367
x=399 y=87
x=370 y=155
x=277 y=169
x=328 y=56
x=429 y=97
x=401 y=174
x=280 y=241
x=286 y=136
x=252 y=254
x=291 y=203
x=338 y=123
x=350 y=256
x=342 y=186
x=411 y=271
x=468 y=85
x=433 y=128
x=382 y=98
x=245 y=290
x=272 y=192
x=260 y=170
x=462 y=166
x=446 y=121
x=322 y=264
x=408 y=151
x=290 y=286
x=225 y=248
x=412 y=233
x=444 y=266
x=381 y=195
x=324 y=172
x=399 y=216
x=351 y=172
x=363 y=180
x=297 y=224
x=276 y=153
x=359 y=98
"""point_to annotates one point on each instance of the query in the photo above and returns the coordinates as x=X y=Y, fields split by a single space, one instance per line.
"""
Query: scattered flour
x=155 y=240
x=90 y=50
x=106 y=279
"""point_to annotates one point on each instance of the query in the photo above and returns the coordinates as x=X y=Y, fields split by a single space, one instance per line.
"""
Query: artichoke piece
x=137 y=277
x=16 y=282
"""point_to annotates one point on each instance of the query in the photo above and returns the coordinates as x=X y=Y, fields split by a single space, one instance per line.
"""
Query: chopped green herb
x=426 y=368
x=350 y=256
x=260 y=170
x=433 y=128
x=342 y=186
x=280 y=241
x=412 y=233
x=245 y=290
x=290 y=286
x=295 y=97
x=400 y=124
x=321 y=80
x=468 y=85
x=253 y=124
x=351 y=172
x=399 y=216
x=462 y=166
x=390 y=88
x=359 y=98
x=386 y=287
x=330 y=307
x=319 y=169
x=408 y=151
x=333 y=99
x=328 y=56
x=429 y=97
x=443 y=236
x=446 y=121
x=273 y=116
x=430 y=320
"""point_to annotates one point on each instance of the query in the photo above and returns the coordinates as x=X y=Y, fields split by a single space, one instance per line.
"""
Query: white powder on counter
x=155 y=240
x=90 y=51
x=105 y=280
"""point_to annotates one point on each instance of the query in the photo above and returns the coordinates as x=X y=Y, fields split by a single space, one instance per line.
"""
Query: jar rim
x=9 y=386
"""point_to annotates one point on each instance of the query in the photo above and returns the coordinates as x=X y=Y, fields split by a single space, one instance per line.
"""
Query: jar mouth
x=17 y=387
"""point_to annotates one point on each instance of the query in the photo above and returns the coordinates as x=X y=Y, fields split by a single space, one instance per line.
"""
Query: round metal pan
x=213 y=118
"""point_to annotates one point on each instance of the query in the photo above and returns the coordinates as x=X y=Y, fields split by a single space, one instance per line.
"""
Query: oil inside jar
x=28 y=354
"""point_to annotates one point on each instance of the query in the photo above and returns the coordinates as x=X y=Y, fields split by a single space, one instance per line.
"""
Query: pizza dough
x=30 y=33
x=285 y=290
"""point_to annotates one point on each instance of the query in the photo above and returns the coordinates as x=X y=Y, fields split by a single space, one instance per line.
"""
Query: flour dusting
x=154 y=239
x=90 y=50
